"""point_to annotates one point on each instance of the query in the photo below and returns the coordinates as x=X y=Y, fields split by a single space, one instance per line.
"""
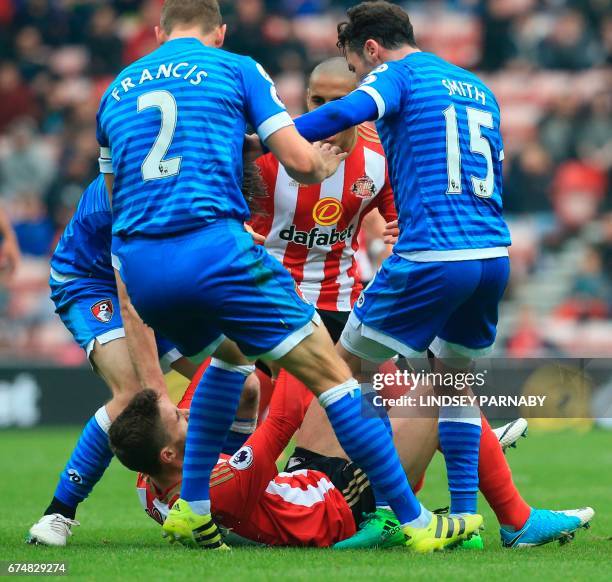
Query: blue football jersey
x=84 y=250
x=440 y=128
x=171 y=129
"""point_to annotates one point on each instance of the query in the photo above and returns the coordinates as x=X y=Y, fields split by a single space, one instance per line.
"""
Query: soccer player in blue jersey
x=440 y=290
x=84 y=291
x=171 y=130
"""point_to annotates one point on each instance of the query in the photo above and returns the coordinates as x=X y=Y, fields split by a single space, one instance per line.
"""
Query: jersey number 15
x=477 y=118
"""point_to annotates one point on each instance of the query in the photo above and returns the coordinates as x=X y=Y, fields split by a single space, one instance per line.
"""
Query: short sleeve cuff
x=273 y=124
x=380 y=102
x=105 y=161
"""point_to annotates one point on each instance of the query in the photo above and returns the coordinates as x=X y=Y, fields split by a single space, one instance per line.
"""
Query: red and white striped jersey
x=155 y=502
x=313 y=230
x=302 y=508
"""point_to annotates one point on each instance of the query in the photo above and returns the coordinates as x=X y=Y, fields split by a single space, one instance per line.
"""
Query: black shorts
x=334 y=322
x=349 y=479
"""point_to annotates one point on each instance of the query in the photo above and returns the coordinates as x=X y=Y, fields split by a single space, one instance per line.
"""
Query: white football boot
x=51 y=530
x=508 y=434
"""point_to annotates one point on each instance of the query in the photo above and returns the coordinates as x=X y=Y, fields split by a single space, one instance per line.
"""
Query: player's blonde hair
x=206 y=13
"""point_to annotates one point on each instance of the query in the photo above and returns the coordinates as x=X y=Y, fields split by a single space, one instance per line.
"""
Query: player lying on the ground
x=176 y=196
x=321 y=497
x=85 y=294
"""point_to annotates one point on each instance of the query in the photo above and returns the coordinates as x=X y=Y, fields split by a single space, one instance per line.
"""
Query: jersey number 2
x=154 y=166
x=477 y=118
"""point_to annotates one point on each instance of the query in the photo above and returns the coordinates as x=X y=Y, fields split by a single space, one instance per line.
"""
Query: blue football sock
x=368 y=443
x=88 y=461
x=382 y=413
x=459 y=432
x=213 y=409
x=239 y=432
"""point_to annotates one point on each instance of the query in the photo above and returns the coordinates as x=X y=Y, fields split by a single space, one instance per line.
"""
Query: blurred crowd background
x=548 y=61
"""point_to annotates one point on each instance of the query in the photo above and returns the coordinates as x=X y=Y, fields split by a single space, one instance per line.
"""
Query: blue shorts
x=198 y=287
x=450 y=307
x=89 y=308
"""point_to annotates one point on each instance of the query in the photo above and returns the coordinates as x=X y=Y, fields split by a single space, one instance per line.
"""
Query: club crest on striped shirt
x=364 y=188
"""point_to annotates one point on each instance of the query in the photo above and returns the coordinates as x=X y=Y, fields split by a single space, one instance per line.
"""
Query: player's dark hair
x=206 y=13
x=253 y=188
x=138 y=435
x=381 y=21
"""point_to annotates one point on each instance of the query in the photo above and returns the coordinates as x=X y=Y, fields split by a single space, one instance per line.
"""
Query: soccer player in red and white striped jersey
x=313 y=230
x=248 y=494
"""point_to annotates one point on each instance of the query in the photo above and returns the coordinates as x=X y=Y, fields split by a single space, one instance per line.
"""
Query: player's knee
x=250 y=393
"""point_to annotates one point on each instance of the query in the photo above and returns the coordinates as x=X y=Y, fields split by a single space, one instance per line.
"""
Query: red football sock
x=266 y=388
x=419 y=486
x=496 y=482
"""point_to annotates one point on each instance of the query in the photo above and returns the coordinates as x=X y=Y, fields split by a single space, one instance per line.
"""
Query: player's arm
x=373 y=226
x=336 y=116
x=105 y=161
x=386 y=207
x=275 y=128
x=141 y=343
x=380 y=94
x=391 y=232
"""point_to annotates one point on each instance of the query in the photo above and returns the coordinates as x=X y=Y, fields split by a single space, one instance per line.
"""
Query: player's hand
x=258 y=238
x=252 y=148
x=10 y=256
x=332 y=156
x=391 y=232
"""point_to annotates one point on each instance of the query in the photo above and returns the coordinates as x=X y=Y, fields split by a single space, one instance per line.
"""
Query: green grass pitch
x=118 y=541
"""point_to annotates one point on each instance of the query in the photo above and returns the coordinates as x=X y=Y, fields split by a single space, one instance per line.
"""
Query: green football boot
x=378 y=530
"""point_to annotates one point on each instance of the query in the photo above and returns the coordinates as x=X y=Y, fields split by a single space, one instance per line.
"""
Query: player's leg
x=102 y=337
x=245 y=421
x=468 y=333
x=365 y=438
x=520 y=524
x=246 y=416
x=254 y=464
x=401 y=312
x=269 y=320
x=219 y=390
x=184 y=305
x=213 y=410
